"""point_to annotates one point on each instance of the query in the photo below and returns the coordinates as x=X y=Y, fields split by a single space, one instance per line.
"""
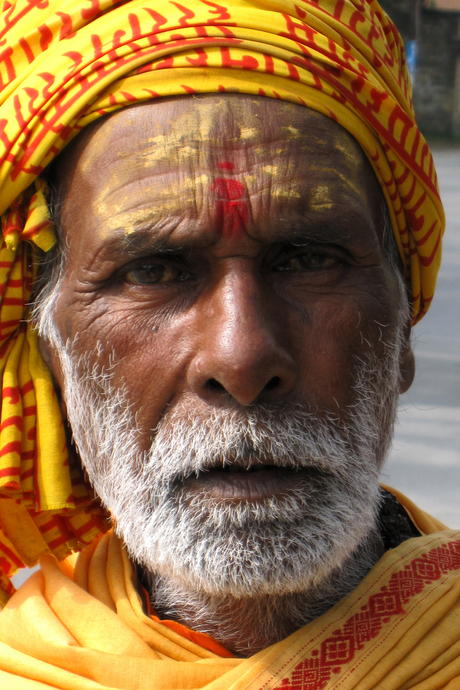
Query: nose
x=244 y=347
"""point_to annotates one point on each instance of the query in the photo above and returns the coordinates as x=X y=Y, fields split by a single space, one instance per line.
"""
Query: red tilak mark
x=231 y=210
x=225 y=165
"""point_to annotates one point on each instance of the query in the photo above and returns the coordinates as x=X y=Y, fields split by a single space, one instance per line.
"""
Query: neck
x=247 y=625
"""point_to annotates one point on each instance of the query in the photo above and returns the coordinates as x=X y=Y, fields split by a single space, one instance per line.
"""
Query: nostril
x=273 y=383
x=214 y=385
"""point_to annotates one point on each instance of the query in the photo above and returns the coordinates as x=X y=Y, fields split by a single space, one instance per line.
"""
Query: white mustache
x=291 y=437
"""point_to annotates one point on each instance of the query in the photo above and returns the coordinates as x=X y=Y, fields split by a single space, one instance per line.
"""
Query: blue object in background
x=411 y=58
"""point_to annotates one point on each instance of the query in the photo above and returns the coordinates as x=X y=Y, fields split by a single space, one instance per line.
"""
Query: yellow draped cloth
x=65 y=63
x=79 y=625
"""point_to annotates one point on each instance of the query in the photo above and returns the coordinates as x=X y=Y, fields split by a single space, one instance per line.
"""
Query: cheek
x=148 y=361
x=327 y=358
x=151 y=365
x=331 y=348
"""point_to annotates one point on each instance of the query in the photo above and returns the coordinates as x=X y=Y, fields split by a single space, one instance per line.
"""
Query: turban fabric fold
x=65 y=63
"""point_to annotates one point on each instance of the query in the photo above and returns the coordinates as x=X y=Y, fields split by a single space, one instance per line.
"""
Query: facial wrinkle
x=321 y=198
x=351 y=183
x=231 y=206
x=292 y=132
x=251 y=133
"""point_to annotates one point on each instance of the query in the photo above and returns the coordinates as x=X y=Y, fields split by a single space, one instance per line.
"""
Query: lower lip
x=248 y=486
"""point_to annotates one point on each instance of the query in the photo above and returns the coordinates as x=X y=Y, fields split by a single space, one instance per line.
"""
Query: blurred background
x=425 y=460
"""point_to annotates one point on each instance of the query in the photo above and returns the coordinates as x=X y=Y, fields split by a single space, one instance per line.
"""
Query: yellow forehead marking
x=249 y=132
x=157 y=139
x=128 y=222
x=293 y=131
x=320 y=198
x=271 y=169
x=196 y=181
x=161 y=152
x=281 y=193
x=172 y=197
x=350 y=150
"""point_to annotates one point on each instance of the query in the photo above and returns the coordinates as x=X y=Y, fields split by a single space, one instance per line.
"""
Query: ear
x=406 y=363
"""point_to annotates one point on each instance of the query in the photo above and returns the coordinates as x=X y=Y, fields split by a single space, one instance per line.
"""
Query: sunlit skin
x=227 y=249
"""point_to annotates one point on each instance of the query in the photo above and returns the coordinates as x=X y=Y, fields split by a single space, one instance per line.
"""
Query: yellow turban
x=67 y=62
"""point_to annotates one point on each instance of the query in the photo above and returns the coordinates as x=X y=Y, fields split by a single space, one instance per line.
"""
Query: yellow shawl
x=79 y=625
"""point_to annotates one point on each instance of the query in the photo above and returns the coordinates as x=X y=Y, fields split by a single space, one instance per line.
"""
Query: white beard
x=279 y=545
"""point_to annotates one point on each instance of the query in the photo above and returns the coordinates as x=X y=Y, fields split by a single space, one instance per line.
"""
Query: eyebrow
x=146 y=238
x=155 y=238
x=141 y=242
x=339 y=228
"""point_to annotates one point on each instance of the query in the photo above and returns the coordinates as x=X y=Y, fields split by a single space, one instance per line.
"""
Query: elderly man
x=224 y=264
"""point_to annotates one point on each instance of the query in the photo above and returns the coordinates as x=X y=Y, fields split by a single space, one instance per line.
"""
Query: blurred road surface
x=425 y=461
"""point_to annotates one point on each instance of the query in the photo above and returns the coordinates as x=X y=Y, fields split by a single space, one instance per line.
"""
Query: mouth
x=249 y=481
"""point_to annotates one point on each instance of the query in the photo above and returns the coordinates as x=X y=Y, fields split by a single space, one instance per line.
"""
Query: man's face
x=225 y=272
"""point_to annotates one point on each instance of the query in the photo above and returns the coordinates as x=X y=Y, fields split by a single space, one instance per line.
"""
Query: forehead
x=238 y=121
x=171 y=159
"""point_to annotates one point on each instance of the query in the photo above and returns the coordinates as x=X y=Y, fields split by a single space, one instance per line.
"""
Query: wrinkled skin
x=226 y=249
x=239 y=311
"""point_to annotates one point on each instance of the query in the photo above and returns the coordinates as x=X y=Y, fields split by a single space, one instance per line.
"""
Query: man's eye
x=308 y=261
x=154 y=273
